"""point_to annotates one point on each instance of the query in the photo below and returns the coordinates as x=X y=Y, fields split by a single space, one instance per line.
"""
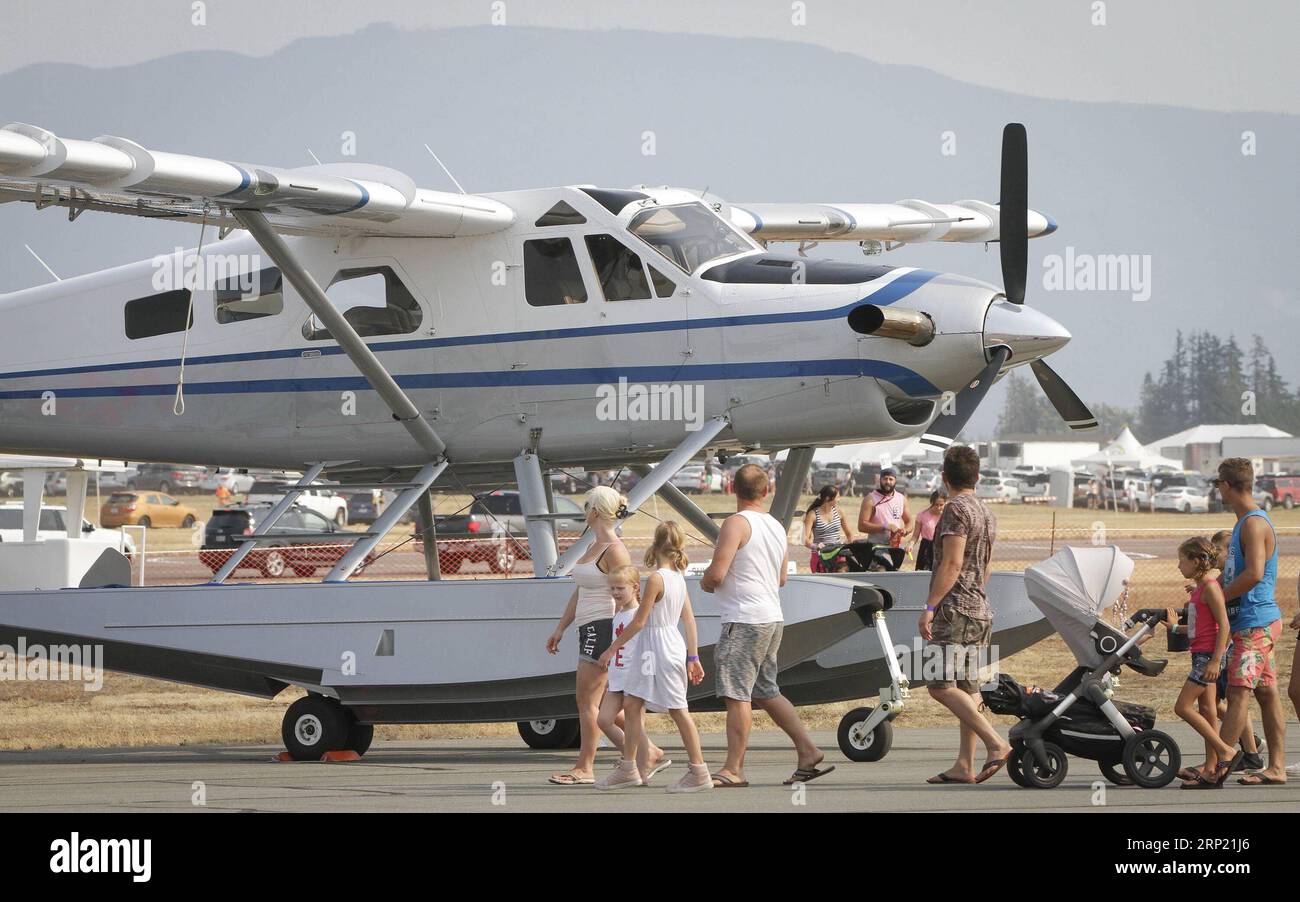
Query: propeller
x=1013 y=246
x=955 y=412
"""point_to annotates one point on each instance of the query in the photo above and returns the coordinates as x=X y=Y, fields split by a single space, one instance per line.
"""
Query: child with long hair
x=1207 y=628
x=625 y=586
x=661 y=664
x=1251 y=759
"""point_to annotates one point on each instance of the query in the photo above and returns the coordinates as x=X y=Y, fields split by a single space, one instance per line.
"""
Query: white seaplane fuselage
x=484 y=365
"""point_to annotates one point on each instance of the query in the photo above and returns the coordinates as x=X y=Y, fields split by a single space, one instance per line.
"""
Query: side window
x=374 y=301
x=249 y=296
x=551 y=273
x=315 y=522
x=619 y=269
x=51 y=521
x=159 y=314
x=561 y=214
x=664 y=286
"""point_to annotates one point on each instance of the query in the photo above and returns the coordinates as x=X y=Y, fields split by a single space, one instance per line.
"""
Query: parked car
x=321 y=498
x=494 y=531
x=998 y=488
x=311 y=541
x=11 y=484
x=145 y=509
x=236 y=483
x=168 y=478
x=1185 y=498
x=568 y=482
x=924 y=481
x=696 y=479
x=836 y=474
x=1285 y=489
x=53 y=525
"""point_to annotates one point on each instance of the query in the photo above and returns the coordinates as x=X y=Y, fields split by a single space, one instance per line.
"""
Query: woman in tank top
x=823 y=525
x=591 y=610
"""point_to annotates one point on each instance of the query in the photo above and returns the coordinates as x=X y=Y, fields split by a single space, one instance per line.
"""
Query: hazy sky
x=1203 y=54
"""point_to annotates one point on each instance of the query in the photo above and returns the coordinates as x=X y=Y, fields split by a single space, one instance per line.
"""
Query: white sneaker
x=696 y=779
x=1293 y=769
x=624 y=776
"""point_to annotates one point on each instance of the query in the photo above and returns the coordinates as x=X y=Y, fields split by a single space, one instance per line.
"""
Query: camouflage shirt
x=965 y=515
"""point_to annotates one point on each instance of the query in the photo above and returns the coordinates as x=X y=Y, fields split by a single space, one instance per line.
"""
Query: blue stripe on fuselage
x=890 y=293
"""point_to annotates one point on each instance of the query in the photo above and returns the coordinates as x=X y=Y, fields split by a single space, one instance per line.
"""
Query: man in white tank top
x=746 y=575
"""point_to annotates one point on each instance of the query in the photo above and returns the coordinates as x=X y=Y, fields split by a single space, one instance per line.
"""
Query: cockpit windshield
x=689 y=235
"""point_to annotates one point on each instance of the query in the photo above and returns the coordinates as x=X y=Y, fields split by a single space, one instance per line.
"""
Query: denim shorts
x=1199 y=661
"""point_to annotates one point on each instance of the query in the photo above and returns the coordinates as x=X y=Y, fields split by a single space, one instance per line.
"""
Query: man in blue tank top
x=1249 y=580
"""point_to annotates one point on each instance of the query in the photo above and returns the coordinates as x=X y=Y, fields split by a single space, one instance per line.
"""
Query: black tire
x=1049 y=774
x=870 y=747
x=1114 y=772
x=1016 y=767
x=314 y=725
x=274 y=564
x=549 y=734
x=1268 y=504
x=360 y=735
x=1151 y=759
x=145 y=522
x=341 y=518
x=1187 y=508
x=1288 y=502
x=188 y=522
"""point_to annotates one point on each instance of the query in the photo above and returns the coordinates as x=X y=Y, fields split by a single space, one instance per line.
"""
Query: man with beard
x=884 y=518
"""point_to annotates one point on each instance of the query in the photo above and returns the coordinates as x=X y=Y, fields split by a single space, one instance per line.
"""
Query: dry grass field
x=131 y=711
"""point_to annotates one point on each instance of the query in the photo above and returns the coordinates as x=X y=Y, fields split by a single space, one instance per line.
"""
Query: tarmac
x=496 y=775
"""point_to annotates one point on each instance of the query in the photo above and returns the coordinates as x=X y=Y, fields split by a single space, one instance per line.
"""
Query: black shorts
x=594 y=639
x=925 y=555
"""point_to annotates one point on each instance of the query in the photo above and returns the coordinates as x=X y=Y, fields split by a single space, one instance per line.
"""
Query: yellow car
x=145 y=509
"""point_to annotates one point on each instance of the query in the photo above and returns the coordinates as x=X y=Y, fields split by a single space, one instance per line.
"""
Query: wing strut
x=403 y=408
x=693 y=444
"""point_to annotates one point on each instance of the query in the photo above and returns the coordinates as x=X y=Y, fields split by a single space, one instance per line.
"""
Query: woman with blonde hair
x=591 y=610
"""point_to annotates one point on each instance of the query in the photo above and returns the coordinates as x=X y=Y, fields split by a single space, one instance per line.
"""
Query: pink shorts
x=1251 y=662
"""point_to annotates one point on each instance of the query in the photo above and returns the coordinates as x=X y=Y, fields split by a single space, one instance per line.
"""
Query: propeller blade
x=1013 y=215
x=956 y=412
x=1075 y=413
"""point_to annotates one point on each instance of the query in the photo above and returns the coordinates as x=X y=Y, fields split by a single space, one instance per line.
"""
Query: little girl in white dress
x=660 y=662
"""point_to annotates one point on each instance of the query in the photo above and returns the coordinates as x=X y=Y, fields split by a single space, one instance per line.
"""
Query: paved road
x=459 y=775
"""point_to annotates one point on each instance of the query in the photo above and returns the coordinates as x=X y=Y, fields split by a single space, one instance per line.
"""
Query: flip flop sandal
x=666 y=762
x=1259 y=780
x=1188 y=774
x=807 y=775
x=722 y=781
x=992 y=768
x=944 y=778
x=1202 y=783
x=571 y=780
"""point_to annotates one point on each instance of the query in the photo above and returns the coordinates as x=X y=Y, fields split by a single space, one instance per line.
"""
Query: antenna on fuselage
x=42 y=262
x=313 y=156
x=445 y=169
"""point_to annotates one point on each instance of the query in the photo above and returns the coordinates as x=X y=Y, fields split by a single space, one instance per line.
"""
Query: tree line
x=1206 y=379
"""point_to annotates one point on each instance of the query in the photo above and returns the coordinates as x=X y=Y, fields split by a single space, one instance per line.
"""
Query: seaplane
x=342 y=322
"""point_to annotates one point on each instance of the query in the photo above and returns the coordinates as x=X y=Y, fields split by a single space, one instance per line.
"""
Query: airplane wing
x=115 y=175
x=904 y=222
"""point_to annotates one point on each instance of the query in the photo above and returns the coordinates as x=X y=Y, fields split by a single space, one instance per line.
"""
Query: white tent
x=1127 y=451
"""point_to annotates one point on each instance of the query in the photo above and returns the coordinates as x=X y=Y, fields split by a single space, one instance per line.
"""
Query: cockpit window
x=689 y=235
x=619 y=269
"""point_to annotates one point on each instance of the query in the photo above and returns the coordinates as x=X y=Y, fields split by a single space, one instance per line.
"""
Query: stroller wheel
x=1016 y=767
x=1040 y=774
x=1114 y=772
x=1151 y=759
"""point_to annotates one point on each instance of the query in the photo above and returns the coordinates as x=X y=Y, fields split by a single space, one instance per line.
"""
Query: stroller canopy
x=1073 y=587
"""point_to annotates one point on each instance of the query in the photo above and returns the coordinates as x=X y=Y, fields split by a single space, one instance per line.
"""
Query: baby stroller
x=860 y=556
x=1072 y=589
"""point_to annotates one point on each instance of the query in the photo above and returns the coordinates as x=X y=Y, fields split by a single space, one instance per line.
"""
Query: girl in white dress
x=625 y=586
x=660 y=663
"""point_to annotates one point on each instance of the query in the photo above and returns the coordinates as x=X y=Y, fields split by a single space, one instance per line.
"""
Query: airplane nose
x=1027 y=332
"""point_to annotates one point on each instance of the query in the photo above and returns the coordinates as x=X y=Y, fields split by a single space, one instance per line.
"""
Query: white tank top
x=595 y=601
x=750 y=593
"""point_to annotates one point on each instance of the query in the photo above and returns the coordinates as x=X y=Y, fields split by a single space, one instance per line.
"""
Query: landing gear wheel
x=1114 y=772
x=549 y=734
x=1040 y=775
x=360 y=735
x=274 y=564
x=314 y=725
x=1151 y=759
x=862 y=746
